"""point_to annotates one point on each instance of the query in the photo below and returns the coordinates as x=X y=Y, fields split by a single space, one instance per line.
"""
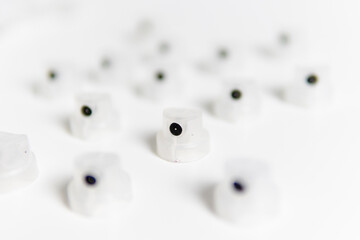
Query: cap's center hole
x=90 y=180
x=164 y=47
x=52 y=75
x=86 y=111
x=106 y=63
x=284 y=38
x=236 y=94
x=312 y=79
x=238 y=186
x=175 y=129
x=223 y=53
x=160 y=76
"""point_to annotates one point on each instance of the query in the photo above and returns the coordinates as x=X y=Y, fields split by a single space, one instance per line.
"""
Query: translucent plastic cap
x=182 y=138
x=161 y=82
x=238 y=101
x=57 y=79
x=247 y=195
x=99 y=186
x=311 y=87
x=93 y=113
x=18 y=166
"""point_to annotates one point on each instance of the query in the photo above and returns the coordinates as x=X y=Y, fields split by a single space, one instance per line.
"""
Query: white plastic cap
x=182 y=138
x=159 y=49
x=57 y=79
x=238 y=100
x=111 y=67
x=144 y=30
x=222 y=58
x=93 y=114
x=287 y=41
x=18 y=166
x=311 y=87
x=99 y=187
x=160 y=82
x=247 y=195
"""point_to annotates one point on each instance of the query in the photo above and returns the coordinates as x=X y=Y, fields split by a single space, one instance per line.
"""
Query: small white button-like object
x=182 y=138
x=164 y=49
x=238 y=100
x=150 y=45
x=18 y=166
x=112 y=67
x=311 y=87
x=223 y=59
x=287 y=41
x=56 y=80
x=100 y=187
x=161 y=82
x=283 y=41
x=143 y=31
x=93 y=115
x=248 y=195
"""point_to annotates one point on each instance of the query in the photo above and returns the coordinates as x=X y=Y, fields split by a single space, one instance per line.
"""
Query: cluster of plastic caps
x=100 y=186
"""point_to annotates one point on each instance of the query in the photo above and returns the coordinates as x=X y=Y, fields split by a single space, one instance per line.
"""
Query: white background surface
x=314 y=155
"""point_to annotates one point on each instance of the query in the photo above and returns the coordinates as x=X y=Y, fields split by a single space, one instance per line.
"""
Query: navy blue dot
x=238 y=186
x=90 y=180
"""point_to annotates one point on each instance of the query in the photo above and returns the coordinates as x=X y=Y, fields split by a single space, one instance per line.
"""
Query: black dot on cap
x=105 y=62
x=236 y=94
x=223 y=53
x=164 y=47
x=52 y=75
x=86 y=111
x=312 y=79
x=284 y=38
x=238 y=186
x=175 y=129
x=90 y=180
x=160 y=76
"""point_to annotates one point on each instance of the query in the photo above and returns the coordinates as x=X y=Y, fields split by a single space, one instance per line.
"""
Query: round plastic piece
x=144 y=30
x=161 y=82
x=222 y=59
x=287 y=41
x=99 y=187
x=18 y=167
x=94 y=115
x=161 y=48
x=182 y=138
x=238 y=100
x=247 y=195
x=311 y=87
x=111 y=67
x=56 y=80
